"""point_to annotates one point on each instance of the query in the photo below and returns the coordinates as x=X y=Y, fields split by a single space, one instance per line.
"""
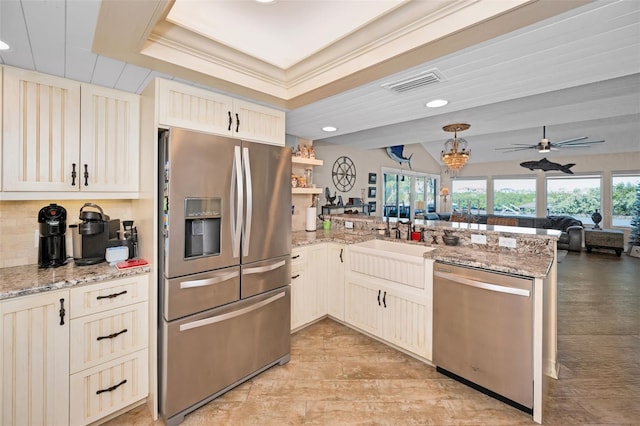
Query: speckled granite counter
x=535 y=265
x=29 y=279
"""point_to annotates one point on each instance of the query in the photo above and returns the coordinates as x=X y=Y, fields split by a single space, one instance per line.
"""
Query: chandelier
x=455 y=153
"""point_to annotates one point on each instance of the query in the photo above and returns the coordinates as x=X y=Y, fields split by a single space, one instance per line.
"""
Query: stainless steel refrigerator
x=224 y=314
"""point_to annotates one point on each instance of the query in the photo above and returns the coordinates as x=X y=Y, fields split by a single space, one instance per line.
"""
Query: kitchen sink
x=398 y=248
x=390 y=260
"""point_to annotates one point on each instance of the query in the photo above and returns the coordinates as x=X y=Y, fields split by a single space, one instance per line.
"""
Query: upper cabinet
x=189 y=107
x=110 y=139
x=66 y=137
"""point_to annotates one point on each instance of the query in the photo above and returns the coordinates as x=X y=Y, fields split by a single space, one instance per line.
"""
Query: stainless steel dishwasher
x=483 y=331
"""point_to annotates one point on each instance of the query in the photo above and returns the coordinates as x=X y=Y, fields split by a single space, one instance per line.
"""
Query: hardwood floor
x=338 y=376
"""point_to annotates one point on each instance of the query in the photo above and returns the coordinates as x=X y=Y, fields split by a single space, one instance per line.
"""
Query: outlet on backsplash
x=478 y=239
x=507 y=242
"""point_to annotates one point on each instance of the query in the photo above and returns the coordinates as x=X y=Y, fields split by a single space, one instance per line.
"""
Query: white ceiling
x=577 y=72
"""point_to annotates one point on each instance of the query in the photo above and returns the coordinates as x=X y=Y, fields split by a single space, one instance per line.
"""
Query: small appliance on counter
x=53 y=225
x=130 y=238
x=93 y=235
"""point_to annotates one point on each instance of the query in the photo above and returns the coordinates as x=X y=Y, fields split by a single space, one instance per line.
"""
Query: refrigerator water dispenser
x=202 y=227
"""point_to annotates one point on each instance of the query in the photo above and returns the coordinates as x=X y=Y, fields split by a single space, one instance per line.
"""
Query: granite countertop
x=30 y=279
x=510 y=262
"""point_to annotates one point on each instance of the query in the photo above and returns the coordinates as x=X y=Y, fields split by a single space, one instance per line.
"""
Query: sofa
x=571 y=228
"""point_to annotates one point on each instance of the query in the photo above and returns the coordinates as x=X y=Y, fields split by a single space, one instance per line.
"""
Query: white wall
x=367 y=161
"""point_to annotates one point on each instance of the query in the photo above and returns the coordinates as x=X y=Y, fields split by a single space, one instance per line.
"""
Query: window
x=514 y=196
x=577 y=196
x=469 y=193
x=408 y=195
x=623 y=196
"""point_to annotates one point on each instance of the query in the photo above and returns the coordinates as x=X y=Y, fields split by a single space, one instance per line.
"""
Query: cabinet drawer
x=112 y=294
x=102 y=390
x=298 y=257
x=108 y=335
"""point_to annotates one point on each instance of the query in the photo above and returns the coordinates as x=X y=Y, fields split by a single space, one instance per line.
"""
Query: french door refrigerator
x=224 y=314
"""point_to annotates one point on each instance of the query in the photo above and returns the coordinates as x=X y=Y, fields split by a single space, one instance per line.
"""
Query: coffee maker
x=93 y=235
x=52 y=251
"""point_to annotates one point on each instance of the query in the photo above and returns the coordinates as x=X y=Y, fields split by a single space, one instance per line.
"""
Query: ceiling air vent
x=416 y=81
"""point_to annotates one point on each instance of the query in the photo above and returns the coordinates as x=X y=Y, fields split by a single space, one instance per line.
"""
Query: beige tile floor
x=338 y=376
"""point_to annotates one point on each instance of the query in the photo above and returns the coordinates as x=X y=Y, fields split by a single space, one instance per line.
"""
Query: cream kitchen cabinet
x=75 y=356
x=336 y=258
x=35 y=359
x=109 y=357
x=189 y=107
x=66 y=137
x=393 y=312
x=308 y=284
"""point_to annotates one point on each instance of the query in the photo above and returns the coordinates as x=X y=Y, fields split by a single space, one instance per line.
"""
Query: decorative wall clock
x=344 y=174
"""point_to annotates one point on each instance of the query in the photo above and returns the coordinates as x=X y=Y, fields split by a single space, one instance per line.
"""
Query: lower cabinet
x=308 y=284
x=336 y=264
x=35 y=359
x=390 y=311
x=74 y=356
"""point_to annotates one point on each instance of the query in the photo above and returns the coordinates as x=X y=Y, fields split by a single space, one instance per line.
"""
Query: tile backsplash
x=19 y=223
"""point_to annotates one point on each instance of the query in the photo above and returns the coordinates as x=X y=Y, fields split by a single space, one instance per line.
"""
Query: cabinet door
x=362 y=306
x=110 y=142
x=35 y=360
x=299 y=288
x=41 y=132
x=181 y=105
x=336 y=256
x=258 y=123
x=407 y=323
x=317 y=255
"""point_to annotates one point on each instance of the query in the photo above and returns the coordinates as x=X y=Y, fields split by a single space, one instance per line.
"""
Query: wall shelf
x=306 y=190
x=306 y=161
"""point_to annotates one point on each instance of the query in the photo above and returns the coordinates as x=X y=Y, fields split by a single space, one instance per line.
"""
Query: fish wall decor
x=547 y=165
x=395 y=152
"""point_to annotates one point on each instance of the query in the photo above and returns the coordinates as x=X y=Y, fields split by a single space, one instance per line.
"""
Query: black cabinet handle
x=230 y=121
x=111 y=336
x=296 y=256
x=341 y=261
x=384 y=299
x=62 y=311
x=237 y=122
x=295 y=276
x=379 y=297
x=112 y=388
x=86 y=175
x=73 y=174
x=111 y=296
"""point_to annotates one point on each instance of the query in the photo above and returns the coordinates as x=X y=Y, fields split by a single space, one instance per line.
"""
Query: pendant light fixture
x=455 y=154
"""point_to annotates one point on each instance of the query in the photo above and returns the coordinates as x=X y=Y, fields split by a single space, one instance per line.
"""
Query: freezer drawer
x=195 y=293
x=205 y=354
x=260 y=277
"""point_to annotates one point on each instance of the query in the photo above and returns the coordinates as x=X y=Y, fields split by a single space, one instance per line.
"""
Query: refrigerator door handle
x=229 y=315
x=237 y=207
x=209 y=281
x=261 y=269
x=249 y=186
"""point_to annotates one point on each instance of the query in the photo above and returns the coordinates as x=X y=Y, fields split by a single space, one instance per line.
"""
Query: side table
x=605 y=239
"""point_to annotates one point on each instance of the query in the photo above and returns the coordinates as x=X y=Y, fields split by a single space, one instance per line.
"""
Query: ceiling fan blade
x=515 y=149
x=579 y=143
x=570 y=140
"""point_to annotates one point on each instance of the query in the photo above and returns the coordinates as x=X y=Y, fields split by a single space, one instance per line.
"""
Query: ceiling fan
x=545 y=145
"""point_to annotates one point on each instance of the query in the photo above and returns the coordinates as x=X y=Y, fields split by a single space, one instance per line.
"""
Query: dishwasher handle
x=482 y=285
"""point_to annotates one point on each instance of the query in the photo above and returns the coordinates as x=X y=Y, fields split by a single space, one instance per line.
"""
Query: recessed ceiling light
x=266 y=1
x=329 y=129
x=436 y=103
x=3 y=45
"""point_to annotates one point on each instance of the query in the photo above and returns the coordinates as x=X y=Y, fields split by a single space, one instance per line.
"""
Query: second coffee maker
x=91 y=236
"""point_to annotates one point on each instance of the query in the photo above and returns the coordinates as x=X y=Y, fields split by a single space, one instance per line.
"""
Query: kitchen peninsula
x=533 y=257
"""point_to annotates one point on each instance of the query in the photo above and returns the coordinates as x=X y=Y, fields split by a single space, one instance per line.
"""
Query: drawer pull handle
x=295 y=276
x=111 y=336
x=62 y=311
x=112 y=388
x=111 y=296
x=296 y=256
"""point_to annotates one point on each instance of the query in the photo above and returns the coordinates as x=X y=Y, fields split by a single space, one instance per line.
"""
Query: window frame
x=412 y=196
